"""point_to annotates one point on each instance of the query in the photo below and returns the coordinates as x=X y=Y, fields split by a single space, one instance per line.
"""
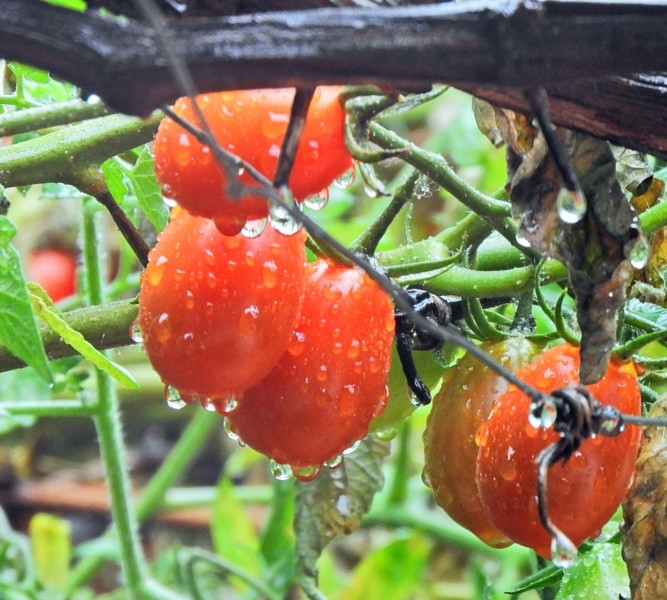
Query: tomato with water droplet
x=250 y=124
x=324 y=391
x=216 y=312
x=465 y=399
x=584 y=492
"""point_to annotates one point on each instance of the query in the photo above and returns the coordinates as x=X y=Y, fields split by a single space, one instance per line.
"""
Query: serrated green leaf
x=334 y=503
x=392 y=572
x=18 y=328
x=114 y=176
x=233 y=533
x=47 y=311
x=147 y=190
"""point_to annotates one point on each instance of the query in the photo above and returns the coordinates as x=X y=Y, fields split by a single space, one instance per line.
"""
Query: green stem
x=178 y=460
x=109 y=430
x=367 y=242
x=439 y=527
x=49 y=408
x=496 y=212
x=187 y=497
x=50 y=115
x=654 y=219
x=153 y=497
x=104 y=327
x=469 y=230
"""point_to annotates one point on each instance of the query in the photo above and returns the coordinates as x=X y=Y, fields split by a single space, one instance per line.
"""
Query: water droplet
x=155 y=270
x=306 y=474
x=331 y=292
x=248 y=320
x=274 y=125
x=346 y=179
x=563 y=551
x=135 y=333
x=173 y=398
x=253 y=229
x=571 y=206
x=334 y=463
x=161 y=328
x=231 y=434
x=354 y=349
x=280 y=472
x=93 y=99
x=208 y=404
x=322 y=374
x=317 y=201
x=228 y=404
x=425 y=479
x=296 y=343
x=386 y=434
x=639 y=254
x=509 y=471
x=542 y=413
x=352 y=448
x=170 y=202
x=229 y=225
x=370 y=191
x=282 y=221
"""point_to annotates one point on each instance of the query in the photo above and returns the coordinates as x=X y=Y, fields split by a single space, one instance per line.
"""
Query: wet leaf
x=334 y=504
x=596 y=249
x=645 y=528
x=634 y=174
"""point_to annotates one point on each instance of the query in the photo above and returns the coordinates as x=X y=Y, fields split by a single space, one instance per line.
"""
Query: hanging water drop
x=280 y=472
x=522 y=241
x=254 y=228
x=317 y=201
x=352 y=448
x=335 y=462
x=563 y=551
x=282 y=221
x=571 y=206
x=231 y=434
x=173 y=398
x=306 y=474
x=345 y=180
x=208 y=404
x=386 y=434
x=136 y=334
x=639 y=253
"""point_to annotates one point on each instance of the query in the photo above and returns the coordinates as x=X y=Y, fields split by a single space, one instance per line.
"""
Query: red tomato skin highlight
x=583 y=493
x=325 y=390
x=250 y=124
x=54 y=269
x=217 y=312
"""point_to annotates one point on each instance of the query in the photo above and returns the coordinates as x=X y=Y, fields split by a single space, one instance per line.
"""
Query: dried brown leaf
x=595 y=250
x=645 y=515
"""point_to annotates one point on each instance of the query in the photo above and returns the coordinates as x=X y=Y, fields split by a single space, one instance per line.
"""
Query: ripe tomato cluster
x=487 y=480
x=294 y=354
x=250 y=124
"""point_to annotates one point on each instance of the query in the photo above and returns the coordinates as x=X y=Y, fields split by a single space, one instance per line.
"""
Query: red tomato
x=464 y=402
x=55 y=270
x=584 y=492
x=250 y=124
x=324 y=391
x=217 y=312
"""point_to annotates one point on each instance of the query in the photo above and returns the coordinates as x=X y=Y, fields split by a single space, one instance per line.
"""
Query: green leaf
x=334 y=504
x=147 y=190
x=79 y=5
x=278 y=535
x=114 y=176
x=392 y=572
x=20 y=383
x=46 y=310
x=599 y=574
x=51 y=548
x=18 y=328
x=233 y=533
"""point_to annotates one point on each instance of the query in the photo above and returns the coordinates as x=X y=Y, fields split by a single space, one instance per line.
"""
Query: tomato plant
x=216 y=312
x=584 y=492
x=324 y=391
x=55 y=270
x=250 y=124
x=466 y=397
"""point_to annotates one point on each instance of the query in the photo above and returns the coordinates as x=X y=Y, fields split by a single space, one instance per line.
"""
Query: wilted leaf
x=633 y=172
x=596 y=249
x=645 y=526
x=334 y=503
